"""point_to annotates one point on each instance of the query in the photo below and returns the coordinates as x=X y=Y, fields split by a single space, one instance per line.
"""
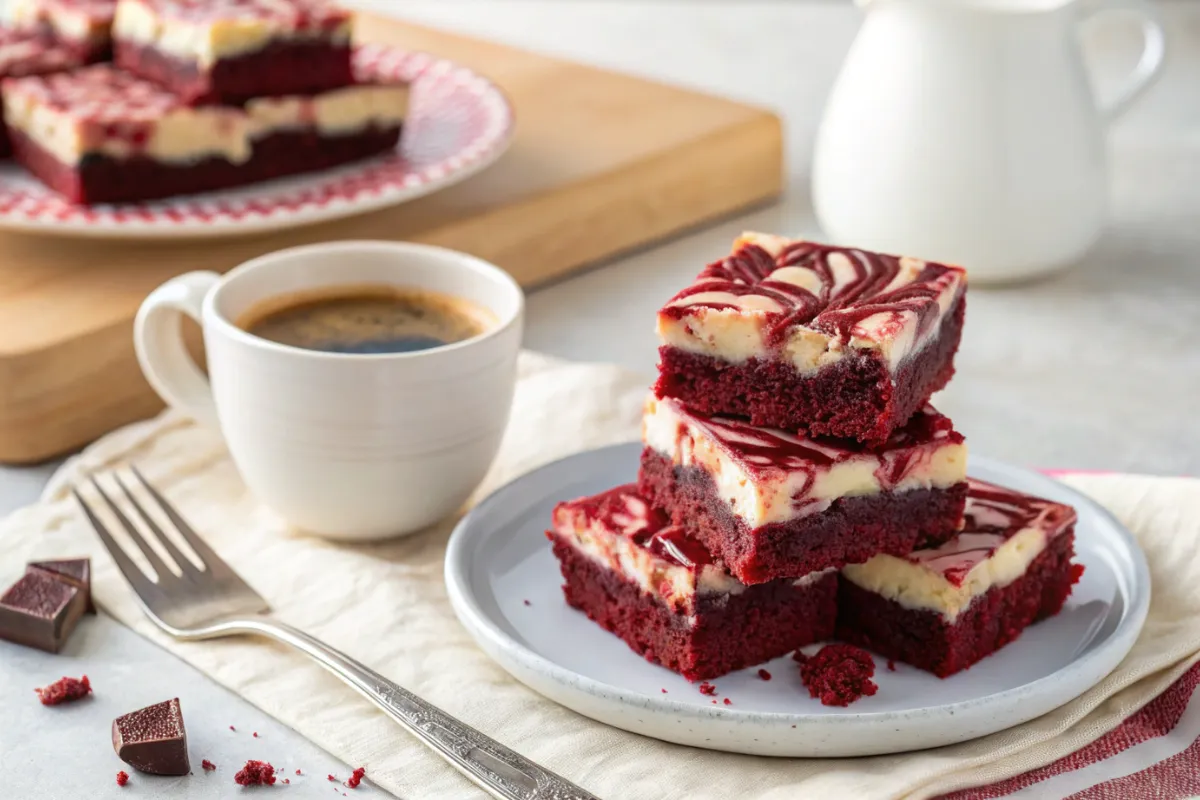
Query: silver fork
x=212 y=601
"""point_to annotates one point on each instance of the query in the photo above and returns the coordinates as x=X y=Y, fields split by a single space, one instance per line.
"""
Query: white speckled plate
x=499 y=558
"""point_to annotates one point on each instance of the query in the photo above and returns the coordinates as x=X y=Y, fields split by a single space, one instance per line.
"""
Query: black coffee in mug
x=367 y=320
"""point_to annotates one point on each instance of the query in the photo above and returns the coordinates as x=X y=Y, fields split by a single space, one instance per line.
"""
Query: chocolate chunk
x=40 y=611
x=75 y=571
x=153 y=739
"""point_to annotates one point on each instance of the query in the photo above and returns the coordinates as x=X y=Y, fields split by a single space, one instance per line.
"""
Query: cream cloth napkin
x=385 y=604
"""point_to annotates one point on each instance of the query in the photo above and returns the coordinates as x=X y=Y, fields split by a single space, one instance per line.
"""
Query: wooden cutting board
x=602 y=163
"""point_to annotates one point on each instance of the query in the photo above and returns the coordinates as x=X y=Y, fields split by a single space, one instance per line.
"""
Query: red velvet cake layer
x=927 y=640
x=727 y=632
x=850 y=531
x=856 y=397
x=285 y=67
x=103 y=179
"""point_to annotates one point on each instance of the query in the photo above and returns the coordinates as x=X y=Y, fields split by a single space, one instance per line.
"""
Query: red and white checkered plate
x=458 y=123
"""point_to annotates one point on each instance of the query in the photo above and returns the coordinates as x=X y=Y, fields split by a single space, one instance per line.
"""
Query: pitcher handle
x=1154 y=50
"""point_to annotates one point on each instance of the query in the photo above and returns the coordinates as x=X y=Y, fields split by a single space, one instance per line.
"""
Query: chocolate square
x=153 y=739
x=75 y=571
x=40 y=611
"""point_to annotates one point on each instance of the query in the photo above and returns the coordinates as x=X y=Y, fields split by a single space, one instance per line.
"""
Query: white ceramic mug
x=346 y=446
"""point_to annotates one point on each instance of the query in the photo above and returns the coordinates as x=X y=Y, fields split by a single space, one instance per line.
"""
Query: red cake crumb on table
x=708 y=688
x=255 y=773
x=838 y=674
x=766 y=676
x=208 y=765
x=728 y=702
x=287 y=780
x=298 y=772
x=355 y=779
x=232 y=728
x=332 y=778
x=122 y=778
x=891 y=665
x=65 y=690
x=256 y=734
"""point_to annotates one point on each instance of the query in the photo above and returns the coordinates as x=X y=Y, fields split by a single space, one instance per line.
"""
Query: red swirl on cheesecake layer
x=993 y=516
x=810 y=303
x=1004 y=532
x=830 y=289
x=624 y=512
x=768 y=475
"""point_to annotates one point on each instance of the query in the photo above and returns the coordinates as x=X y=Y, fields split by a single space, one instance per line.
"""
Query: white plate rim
x=285 y=219
x=516 y=658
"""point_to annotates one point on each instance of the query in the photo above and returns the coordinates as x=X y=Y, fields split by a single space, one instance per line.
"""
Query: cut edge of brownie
x=925 y=639
x=857 y=397
x=850 y=531
x=102 y=179
x=730 y=631
x=299 y=66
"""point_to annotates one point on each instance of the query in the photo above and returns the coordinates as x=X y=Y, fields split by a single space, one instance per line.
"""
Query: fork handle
x=502 y=772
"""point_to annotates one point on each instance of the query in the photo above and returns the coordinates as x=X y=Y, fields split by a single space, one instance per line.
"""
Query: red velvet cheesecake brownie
x=794 y=334
x=28 y=53
x=659 y=590
x=771 y=504
x=229 y=51
x=103 y=135
x=944 y=608
x=82 y=26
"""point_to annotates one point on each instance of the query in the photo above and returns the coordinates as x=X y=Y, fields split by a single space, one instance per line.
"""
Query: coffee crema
x=367 y=319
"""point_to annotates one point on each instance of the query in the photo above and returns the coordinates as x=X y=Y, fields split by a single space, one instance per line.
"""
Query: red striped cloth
x=1159 y=750
x=1151 y=777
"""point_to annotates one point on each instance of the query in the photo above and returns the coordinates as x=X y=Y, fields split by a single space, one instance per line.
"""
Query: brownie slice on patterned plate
x=83 y=27
x=25 y=53
x=659 y=590
x=229 y=51
x=101 y=135
x=771 y=504
x=799 y=335
x=943 y=608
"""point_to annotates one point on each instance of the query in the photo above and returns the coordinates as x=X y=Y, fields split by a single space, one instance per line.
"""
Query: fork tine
x=132 y=572
x=212 y=562
x=160 y=568
x=185 y=564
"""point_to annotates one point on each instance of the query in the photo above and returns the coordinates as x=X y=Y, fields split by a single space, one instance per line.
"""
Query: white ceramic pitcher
x=967 y=131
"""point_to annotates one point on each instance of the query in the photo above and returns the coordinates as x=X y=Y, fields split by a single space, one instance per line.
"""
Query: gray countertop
x=1098 y=368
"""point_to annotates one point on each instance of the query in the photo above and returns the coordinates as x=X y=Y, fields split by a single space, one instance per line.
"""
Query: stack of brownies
x=202 y=94
x=796 y=485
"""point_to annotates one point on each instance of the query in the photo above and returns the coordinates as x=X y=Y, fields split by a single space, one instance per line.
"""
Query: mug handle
x=1154 y=51
x=158 y=339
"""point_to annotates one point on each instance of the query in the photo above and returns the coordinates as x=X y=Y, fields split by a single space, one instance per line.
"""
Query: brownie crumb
x=255 y=773
x=728 y=702
x=839 y=674
x=708 y=689
x=766 y=676
x=891 y=665
x=122 y=778
x=208 y=765
x=356 y=778
x=65 y=690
